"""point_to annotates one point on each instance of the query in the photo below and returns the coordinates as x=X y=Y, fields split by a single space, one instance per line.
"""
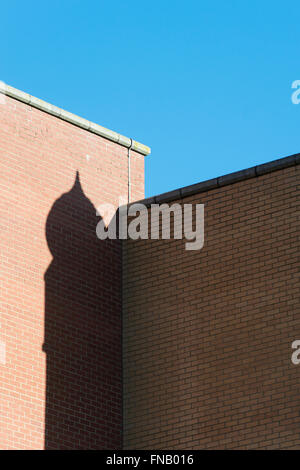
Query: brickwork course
x=140 y=343
x=207 y=334
x=60 y=286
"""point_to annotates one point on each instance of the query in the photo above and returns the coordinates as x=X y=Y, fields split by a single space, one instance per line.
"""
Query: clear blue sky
x=206 y=84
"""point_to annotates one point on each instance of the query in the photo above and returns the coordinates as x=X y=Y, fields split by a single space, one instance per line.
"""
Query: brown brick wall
x=60 y=287
x=207 y=334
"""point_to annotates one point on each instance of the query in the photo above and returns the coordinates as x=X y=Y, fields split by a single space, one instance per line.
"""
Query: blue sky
x=207 y=85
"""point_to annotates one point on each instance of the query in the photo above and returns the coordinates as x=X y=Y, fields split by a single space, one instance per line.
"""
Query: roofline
x=73 y=119
x=225 y=180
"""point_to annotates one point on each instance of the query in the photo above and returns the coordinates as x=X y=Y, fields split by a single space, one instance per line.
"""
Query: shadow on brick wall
x=82 y=329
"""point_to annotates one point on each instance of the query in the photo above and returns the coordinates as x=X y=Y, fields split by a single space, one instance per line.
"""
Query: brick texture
x=207 y=334
x=60 y=286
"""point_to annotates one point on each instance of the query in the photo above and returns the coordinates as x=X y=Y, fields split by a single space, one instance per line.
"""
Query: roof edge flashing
x=221 y=181
x=73 y=119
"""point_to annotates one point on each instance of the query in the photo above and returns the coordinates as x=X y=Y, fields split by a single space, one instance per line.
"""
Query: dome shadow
x=82 y=329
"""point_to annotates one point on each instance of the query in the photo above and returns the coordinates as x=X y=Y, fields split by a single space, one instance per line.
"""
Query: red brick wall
x=208 y=334
x=60 y=286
